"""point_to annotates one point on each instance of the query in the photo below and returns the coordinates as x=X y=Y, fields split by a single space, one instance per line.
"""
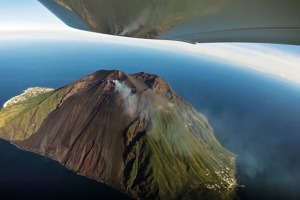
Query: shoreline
x=77 y=173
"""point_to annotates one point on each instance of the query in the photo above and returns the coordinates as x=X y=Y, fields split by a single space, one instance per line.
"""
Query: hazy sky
x=20 y=15
x=28 y=19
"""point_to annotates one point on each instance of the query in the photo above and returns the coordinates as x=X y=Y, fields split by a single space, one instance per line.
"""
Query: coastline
x=77 y=173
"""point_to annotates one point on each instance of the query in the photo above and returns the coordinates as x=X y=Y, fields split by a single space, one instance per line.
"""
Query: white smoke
x=129 y=101
x=124 y=91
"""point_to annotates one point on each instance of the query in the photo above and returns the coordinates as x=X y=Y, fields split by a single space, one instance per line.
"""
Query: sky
x=27 y=15
x=29 y=20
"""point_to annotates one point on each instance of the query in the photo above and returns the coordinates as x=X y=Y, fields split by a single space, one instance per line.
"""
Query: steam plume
x=129 y=100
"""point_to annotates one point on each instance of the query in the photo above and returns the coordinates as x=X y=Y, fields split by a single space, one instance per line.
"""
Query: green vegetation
x=172 y=161
x=24 y=118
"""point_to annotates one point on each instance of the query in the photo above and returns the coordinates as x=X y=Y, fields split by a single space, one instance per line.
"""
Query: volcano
x=132 y=132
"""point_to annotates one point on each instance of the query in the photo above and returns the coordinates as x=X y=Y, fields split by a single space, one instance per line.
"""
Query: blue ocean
x=256 y=116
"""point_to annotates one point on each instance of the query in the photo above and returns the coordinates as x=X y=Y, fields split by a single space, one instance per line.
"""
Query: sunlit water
x=255 y=116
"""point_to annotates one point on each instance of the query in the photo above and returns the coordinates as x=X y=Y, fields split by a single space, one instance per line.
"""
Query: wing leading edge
x=271 y=21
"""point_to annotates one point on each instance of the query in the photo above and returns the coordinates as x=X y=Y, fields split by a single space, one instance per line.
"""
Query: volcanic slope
x=130 y=131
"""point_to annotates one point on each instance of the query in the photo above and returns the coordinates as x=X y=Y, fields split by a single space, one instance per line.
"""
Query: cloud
x=260 y=57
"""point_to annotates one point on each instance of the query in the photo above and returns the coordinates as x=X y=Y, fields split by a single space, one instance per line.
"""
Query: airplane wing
x=269 y=21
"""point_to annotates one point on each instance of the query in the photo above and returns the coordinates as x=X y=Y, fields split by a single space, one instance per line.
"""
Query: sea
x=254 y=115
